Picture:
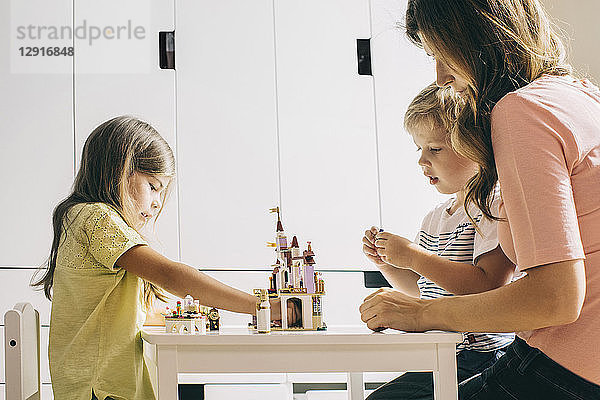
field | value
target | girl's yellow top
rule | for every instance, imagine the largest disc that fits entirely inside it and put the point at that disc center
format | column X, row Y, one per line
column 97, row 310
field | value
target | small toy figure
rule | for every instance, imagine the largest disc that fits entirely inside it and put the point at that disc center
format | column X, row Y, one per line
column 263, row 312
column 189, row 305
column 213, row 319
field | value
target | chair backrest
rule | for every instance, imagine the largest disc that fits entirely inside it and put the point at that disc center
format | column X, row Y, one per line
column 22, row 352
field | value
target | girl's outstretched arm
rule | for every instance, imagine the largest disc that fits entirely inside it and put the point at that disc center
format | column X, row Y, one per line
column 181, row 279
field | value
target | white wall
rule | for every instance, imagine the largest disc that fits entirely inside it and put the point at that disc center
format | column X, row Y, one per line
column 36, row 149
column 579, row 23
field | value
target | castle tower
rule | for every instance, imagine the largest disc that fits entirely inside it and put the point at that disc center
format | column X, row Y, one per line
column 309, row 270
column 296, row 266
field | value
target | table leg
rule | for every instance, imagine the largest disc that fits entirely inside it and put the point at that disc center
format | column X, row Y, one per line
column 166, row 365
column 356, row 386
column 445, row 383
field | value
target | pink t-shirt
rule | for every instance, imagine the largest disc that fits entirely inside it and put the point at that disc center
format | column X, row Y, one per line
column 546, row 139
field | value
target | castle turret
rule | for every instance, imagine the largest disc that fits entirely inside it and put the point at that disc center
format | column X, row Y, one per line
column 280, row 238
column 297, row 258
column 309, row 270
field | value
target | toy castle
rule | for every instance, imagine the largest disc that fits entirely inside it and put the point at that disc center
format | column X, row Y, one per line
column 296, row 283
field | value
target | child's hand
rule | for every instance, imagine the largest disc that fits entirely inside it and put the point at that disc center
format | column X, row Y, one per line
column 394, row 249
column 369, row 247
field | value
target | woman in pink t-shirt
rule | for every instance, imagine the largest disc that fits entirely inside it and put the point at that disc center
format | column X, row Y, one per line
column 534, row 128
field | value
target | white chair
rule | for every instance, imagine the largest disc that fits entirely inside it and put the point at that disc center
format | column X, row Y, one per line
column 22, row 353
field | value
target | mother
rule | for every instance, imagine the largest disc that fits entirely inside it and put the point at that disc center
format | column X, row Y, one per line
column 534, row 128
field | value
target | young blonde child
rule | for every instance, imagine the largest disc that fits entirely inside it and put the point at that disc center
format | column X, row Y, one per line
column 102, row 275
column 451, row 254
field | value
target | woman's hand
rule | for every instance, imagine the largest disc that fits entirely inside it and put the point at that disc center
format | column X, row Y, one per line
column 395, row 250
column 369, row 247
column 388, row 308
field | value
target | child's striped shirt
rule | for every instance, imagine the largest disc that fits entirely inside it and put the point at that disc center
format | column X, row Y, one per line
column 454, row 237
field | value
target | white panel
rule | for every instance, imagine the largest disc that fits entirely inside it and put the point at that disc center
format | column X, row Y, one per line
column 47, row 393
column 326, row 395
column 44, row 366
column 247, row 392
column 327, row 128
column 226, row 131
column 268, row 378
column 341, row 377
column 14, row 286
column 36, row 150
column 375, row 377
column 345, row 292
column 122, row 76
column 401, row 71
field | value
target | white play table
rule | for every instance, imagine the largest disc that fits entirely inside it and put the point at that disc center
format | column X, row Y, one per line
column 353, row 350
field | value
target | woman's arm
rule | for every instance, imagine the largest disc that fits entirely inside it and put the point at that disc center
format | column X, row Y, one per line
column 181, row 279
column 549, row 295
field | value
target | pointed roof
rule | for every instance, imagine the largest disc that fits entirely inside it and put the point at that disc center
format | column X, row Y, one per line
column 309, row 251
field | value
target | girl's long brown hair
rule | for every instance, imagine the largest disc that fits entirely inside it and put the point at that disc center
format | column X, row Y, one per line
column 498, row 46
column 111, row 154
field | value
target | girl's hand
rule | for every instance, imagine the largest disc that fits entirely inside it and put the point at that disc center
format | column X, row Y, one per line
column 395, row 250
column 369, row 247
column 388, row 308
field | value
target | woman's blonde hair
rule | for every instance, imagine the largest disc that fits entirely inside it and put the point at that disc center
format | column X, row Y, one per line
column 111, row 154
column 498, row 46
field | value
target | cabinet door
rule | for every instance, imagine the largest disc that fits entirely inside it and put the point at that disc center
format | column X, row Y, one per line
column 120, row 75
column 401, row 71
column 36, row 150
column 226, row 127
column 329, row 192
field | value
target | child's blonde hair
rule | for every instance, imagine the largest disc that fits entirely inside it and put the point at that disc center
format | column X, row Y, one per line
column 111, row 154
column 433, row 108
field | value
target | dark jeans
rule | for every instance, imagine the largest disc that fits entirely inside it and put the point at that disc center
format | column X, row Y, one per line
column 419, row 385
column 525, row 373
